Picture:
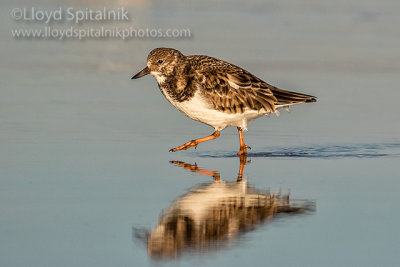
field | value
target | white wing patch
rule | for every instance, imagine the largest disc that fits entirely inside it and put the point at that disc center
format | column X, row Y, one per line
column 234, row 85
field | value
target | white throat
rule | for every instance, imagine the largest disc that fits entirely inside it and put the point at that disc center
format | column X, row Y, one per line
column 159, row 77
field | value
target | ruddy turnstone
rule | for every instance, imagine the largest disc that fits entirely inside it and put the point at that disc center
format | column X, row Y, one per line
column 215, row 92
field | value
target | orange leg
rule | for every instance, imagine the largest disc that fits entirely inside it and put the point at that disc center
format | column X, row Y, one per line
column 195, row 142
column 243, row 147
column 243, row 161
column 196, row 169
column 214, row 174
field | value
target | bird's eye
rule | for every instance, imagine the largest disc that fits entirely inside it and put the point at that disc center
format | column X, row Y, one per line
column 160, row 61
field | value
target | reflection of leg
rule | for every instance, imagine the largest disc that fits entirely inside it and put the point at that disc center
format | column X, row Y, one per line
column 195, row 142
column 194, row 168
column 243, row 161
column 243, row 147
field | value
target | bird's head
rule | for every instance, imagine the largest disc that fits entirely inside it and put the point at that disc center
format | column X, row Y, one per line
column 161, row 63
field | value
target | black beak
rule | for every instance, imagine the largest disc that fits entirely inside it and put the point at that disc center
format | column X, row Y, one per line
column 142, row 73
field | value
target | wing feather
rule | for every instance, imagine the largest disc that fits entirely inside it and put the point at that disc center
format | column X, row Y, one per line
column 232, row 89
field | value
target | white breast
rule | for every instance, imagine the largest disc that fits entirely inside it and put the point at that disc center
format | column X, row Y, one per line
column 200, row 109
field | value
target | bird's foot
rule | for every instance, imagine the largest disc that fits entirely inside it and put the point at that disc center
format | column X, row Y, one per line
column 189, row 144
column 196, row 142
column 243, row 150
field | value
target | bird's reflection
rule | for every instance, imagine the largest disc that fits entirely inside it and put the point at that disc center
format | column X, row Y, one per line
column 212, row 215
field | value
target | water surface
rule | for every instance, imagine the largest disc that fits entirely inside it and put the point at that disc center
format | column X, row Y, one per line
column 85, row 172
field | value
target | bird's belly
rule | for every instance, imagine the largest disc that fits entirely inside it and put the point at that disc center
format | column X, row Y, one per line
column 197, row 108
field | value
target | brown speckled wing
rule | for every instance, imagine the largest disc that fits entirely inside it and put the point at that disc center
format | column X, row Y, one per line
column 232, row 89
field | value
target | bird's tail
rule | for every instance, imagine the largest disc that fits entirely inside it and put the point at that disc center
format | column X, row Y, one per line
column 287, row 98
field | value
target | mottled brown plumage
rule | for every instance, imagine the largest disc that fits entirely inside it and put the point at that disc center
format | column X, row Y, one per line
column 214, row 91
column 233, row 89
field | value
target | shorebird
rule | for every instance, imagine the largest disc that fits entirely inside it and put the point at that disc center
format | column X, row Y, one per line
column 213, row 215
column 215, row 92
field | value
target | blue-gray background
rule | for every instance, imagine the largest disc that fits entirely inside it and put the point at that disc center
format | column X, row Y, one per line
column 84, row 149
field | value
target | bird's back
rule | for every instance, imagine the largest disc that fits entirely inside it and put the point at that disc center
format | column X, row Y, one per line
column 234, row 89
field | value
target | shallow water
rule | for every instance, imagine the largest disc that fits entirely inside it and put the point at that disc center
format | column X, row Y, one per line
column 319, row 151
column 85, row 172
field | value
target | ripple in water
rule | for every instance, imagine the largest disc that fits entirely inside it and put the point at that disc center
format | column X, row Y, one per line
column 318, row 151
